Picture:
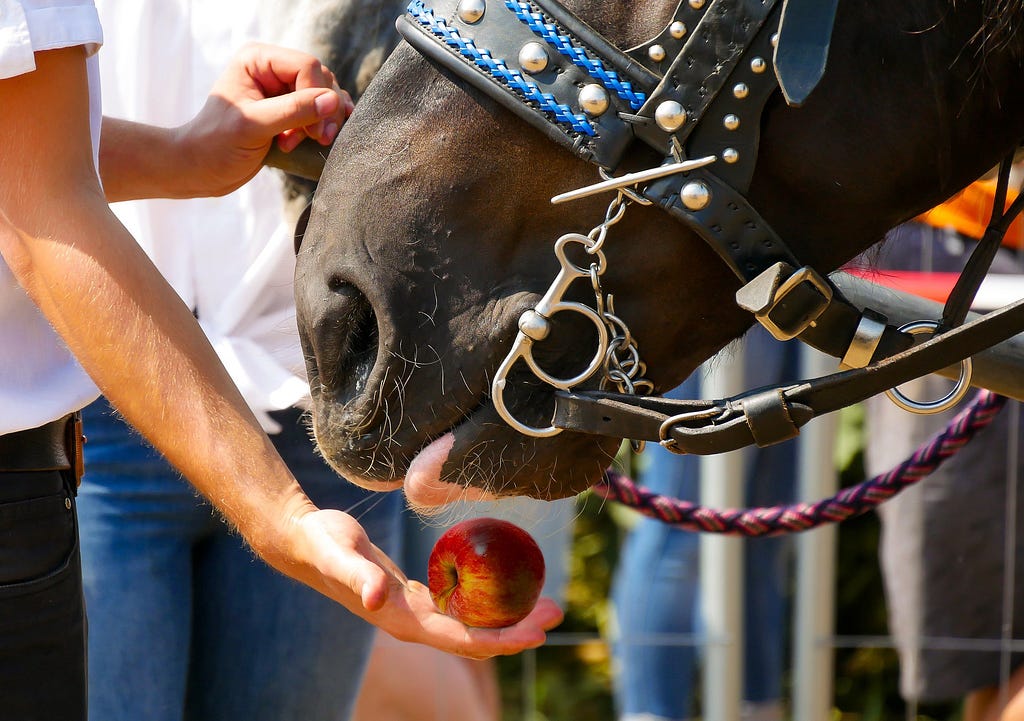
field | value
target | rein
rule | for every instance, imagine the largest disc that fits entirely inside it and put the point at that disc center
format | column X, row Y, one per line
column 694, row 95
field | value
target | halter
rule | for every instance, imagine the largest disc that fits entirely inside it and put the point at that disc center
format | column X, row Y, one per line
column 694, row 95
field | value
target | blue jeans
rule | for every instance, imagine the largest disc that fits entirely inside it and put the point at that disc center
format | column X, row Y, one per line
column 184, row 621
column 656, row 587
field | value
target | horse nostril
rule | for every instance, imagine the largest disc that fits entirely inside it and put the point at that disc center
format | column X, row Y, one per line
column 345, row 339
column 336, row 284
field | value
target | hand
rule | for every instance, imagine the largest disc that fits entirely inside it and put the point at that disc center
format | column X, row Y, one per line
column 347, row 567
column 265, row 92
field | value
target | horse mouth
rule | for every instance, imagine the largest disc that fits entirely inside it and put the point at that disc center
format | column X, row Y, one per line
column 452, row 461
column 381, row 422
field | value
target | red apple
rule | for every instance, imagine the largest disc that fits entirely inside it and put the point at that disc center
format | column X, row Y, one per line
column 486, row 572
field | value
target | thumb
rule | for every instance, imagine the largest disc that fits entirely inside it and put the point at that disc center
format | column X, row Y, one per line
column 372, row 582
column 309, row 108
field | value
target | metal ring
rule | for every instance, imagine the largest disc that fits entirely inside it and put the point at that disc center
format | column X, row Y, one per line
column 949, row 400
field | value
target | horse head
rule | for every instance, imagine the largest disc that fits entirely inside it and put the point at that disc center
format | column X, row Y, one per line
column 431, row 233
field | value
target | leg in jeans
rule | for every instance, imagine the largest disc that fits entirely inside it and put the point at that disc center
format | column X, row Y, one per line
column 139, row 523
column 42, row 622
column 655, row 596
column 770, row 480
column 182, row 608
column 267, row 648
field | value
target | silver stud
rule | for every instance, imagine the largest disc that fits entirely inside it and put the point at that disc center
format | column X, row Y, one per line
column 677, row 30
column 730, row 155
column 696, row 4
column 740, row 90
column 731, row 122
column 593, row 99
column 758, row 65
column 534, row 325
column 775, row 40
column 656, row 53
column 470, row 11
column 695, row 196
column 670, row 116
column 533, row 58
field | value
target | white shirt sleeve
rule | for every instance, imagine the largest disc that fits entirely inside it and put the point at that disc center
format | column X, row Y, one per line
column 28, row 26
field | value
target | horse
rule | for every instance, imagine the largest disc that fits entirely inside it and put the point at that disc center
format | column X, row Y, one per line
column 431, row 234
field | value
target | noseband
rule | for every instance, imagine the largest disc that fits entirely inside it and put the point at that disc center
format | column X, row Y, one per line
column 694, row 95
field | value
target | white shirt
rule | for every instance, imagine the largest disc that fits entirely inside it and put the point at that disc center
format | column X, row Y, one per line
column 231, row 259
column 40, row 381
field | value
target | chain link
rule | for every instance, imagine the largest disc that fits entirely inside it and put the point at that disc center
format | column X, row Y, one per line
column 623, row 369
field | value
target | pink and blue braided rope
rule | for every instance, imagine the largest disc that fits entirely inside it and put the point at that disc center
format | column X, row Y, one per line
column 849, row 502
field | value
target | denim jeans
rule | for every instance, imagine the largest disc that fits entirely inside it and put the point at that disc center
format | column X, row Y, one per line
column 185, row 622
column 656, row 587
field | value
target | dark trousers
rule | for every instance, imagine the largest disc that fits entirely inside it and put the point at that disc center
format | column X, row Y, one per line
column 42, row 613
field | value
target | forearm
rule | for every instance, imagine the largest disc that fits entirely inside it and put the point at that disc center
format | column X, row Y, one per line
column 145, row 351
column 142, row 161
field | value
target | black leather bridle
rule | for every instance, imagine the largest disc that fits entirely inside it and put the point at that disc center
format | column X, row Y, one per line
column 697, row 91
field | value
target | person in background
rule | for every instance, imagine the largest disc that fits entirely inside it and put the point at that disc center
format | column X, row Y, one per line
column 84, row 310
column 947, row 541
column 655, row 593
column 175, row 602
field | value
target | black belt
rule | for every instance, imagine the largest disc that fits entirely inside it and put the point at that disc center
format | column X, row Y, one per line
column 55, row 446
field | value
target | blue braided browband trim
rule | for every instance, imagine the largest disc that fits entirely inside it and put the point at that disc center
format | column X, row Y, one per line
column 564, row 45
column 498, row 69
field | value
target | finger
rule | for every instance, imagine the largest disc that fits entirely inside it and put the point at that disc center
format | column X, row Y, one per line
column 310, row 109
column 528, row 633
column 280, row 70
column 372, row 583
column 290, row 139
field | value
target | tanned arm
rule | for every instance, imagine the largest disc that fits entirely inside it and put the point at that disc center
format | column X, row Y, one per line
column 147, row 354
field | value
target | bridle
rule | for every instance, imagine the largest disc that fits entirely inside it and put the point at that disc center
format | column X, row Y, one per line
column 694, row 95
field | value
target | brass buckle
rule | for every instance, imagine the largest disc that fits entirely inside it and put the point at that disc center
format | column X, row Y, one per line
column 804, row 275
column 74, row 440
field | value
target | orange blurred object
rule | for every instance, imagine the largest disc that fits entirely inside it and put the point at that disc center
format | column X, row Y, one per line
column 968, row 213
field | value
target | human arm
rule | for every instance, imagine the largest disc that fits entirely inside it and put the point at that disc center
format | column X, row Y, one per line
column 146, row 352
column 265, row 91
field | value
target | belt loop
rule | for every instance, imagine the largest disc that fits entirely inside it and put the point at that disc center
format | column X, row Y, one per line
column 74, row 441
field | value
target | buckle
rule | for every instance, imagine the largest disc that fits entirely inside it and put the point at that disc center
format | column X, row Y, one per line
column 74, row 440
column 789, row 307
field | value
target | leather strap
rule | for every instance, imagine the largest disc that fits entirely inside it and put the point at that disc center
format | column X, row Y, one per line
column 55, row 446
column 708, row 57
column 768, row 416
column 805, row 34
column 486, row 55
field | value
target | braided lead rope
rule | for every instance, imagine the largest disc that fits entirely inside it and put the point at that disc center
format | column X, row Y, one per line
column 849, row 502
